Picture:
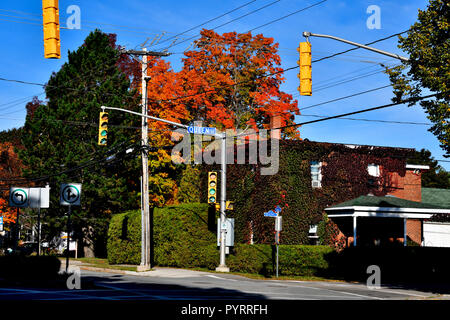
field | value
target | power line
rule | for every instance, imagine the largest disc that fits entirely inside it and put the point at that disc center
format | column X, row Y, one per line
column 238, row 18
column 369, row 120
column 288, row 15
column 206, row 22
column 346, row 97
column 359, row 111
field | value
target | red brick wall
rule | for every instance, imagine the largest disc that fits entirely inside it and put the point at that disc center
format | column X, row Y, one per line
column 407, row 187
column 414, row 230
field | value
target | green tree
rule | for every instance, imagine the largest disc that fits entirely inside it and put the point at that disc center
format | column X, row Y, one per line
column 428, row 45
column 61, row 136
column 190, row 185
column 436, row 176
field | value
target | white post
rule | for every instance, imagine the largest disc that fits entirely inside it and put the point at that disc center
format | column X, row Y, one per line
column 223, row 196
column 354, row 231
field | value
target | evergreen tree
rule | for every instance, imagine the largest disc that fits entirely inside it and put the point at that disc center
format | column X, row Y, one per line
column 62, row 135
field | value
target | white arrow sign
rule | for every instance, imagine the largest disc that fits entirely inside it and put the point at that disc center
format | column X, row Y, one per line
column 70, row 194
column 18, row 197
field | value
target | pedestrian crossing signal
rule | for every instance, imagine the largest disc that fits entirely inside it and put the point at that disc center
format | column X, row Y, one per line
column 103, row 129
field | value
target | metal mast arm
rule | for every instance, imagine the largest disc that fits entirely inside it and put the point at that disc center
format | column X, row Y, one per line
column 307, row 34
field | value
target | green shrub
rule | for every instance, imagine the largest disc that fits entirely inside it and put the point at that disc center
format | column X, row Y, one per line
column 185, row 237
column 124, row 238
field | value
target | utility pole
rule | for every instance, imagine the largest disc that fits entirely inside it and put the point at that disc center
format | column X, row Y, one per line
column 146, row 224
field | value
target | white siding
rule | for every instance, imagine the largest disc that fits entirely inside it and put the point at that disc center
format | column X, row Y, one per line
column 436, row 234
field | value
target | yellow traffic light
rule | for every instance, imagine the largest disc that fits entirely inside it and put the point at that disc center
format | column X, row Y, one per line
column 212, row 187
column 304, row 75
column 52, row 45
column 103, row 129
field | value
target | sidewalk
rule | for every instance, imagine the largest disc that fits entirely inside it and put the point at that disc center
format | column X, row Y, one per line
column 155, row 272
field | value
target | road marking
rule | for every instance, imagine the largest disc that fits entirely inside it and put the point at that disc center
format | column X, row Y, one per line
column 216, row 277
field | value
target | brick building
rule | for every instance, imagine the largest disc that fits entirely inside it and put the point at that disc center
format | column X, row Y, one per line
column 397, row 217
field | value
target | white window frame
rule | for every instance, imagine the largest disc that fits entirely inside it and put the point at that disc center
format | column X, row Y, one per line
column 319, row 176
column 376, row 168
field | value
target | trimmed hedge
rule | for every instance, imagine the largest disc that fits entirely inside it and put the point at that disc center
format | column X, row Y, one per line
column 124, row 238
column 185, row 237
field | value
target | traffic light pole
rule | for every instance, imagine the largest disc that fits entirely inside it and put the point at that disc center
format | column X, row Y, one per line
column 223, row 190
column 223, row 197
column 307, row 34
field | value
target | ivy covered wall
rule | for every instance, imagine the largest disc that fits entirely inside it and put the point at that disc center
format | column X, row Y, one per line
column 344, row 177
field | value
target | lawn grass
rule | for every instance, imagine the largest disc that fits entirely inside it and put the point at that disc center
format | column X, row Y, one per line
column 103, row 263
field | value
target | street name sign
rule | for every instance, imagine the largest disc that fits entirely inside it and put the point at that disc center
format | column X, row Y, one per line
column 70, row 194
column 202, row 130
column 18, row 197
column 270, row 214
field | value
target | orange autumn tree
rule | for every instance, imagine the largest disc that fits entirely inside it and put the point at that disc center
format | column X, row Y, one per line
column 163, row 87
column 233, row 81
column 10, row 170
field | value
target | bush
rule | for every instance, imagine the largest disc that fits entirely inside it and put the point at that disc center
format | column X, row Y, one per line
column 185, row 237
column 124, row 238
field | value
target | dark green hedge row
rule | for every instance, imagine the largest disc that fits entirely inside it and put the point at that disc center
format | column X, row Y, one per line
column 185, row 236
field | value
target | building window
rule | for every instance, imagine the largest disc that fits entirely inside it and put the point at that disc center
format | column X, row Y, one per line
column 373, row 170
column 312, row 235
column 316, row 175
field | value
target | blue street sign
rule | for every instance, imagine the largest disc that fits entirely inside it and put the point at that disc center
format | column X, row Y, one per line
column 202, row 130
column 277, row 209
column 1, row 223
column 270, row 214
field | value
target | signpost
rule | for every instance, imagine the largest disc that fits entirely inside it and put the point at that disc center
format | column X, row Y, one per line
column 278, row 221
column 18, row 197
column 70, row 195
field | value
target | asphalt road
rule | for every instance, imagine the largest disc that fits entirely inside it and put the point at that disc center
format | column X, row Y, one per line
column 177, row 284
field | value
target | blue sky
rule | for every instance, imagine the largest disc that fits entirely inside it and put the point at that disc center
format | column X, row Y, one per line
column 136, row 21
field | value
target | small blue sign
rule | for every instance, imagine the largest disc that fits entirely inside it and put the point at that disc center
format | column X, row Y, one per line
column 1, row 223
column 202, row 130
column 277, row 209
column 270, row 214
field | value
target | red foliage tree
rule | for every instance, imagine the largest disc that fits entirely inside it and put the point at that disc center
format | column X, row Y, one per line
column 233, row 80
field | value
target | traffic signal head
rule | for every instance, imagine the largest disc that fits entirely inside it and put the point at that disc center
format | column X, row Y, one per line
column 212, row 187
column 103, row 129
column 52, row 45
column 304, row 75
